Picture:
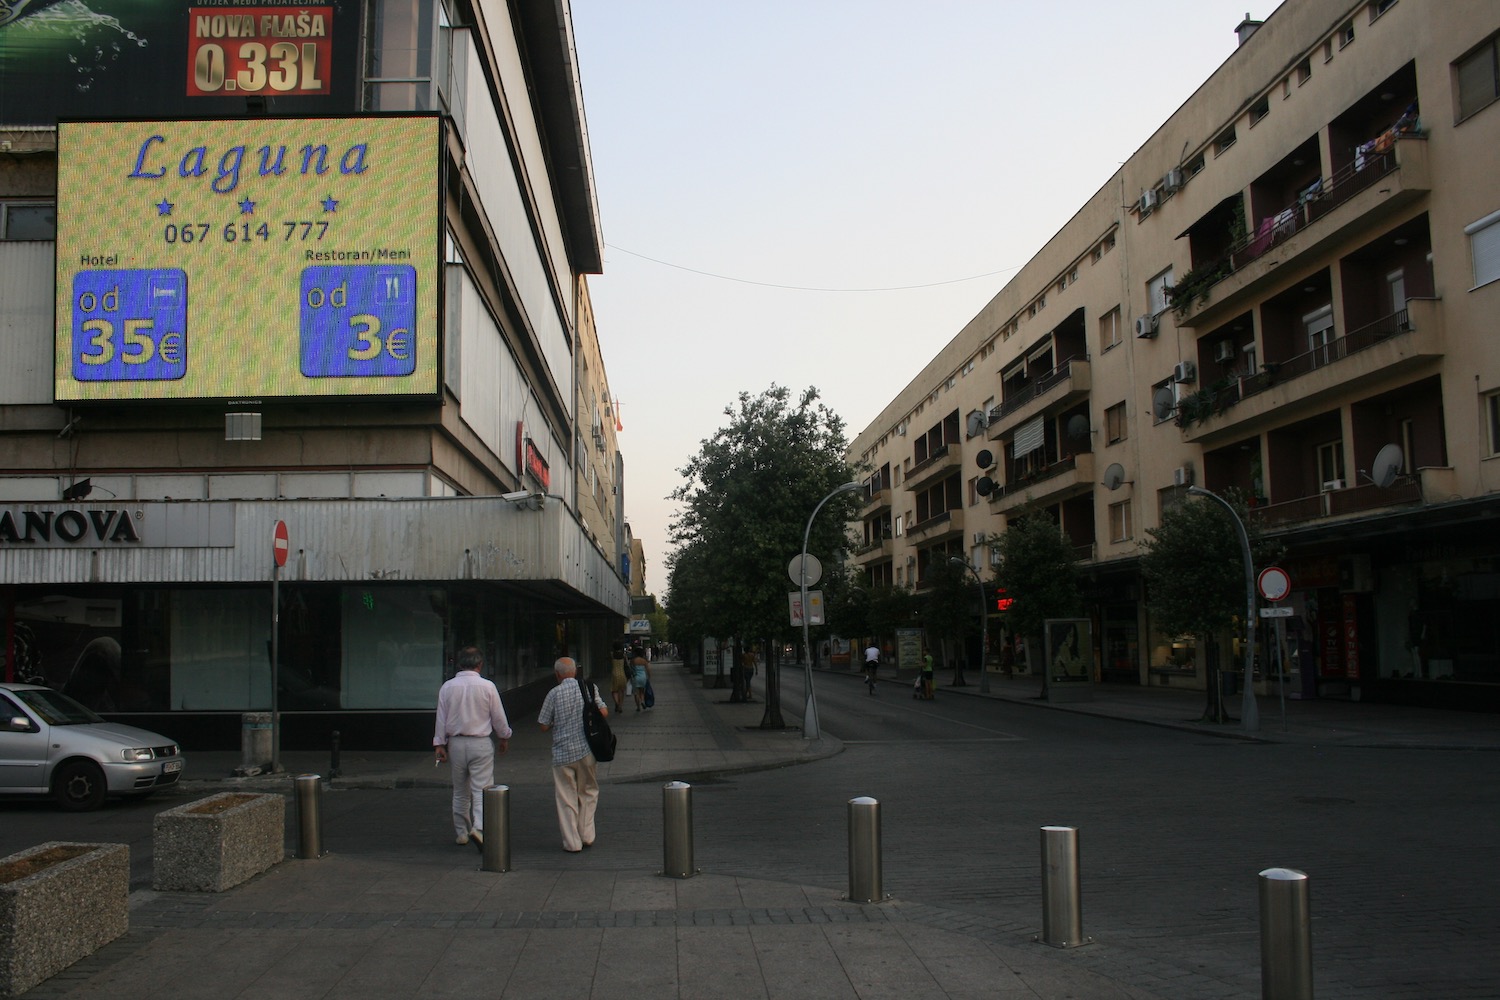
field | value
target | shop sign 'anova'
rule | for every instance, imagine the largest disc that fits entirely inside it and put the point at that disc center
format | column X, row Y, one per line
column 93, row 526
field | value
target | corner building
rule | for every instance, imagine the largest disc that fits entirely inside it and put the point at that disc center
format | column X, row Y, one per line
column 318, row 266
column 1289, row 290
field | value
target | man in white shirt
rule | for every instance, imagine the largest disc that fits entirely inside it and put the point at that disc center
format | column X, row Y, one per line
column 872, row 664
column 468, row 714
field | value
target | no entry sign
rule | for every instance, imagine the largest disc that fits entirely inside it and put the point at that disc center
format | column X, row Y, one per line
column 280, row 544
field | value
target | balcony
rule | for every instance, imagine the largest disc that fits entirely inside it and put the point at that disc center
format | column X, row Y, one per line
column 934, row 467
column 1404, row 492
column 875, row 502
column 1068, row 476
column 874, row 551
column 1359, row 196
column 1062, row 386
column 937, row 527
column 1316, row 379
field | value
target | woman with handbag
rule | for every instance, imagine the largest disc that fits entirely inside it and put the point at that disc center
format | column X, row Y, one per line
column 640, row 670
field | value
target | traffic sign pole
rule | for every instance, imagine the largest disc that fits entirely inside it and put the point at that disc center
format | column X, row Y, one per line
column 280, row 543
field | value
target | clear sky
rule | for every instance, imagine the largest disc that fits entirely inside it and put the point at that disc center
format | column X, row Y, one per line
column 823, row 192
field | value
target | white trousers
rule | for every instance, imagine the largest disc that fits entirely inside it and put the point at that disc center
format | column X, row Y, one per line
column 577, row 786
column 473, row 761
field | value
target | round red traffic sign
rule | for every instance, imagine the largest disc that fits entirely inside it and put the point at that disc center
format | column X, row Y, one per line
column 1274, row 583
column 280, row 544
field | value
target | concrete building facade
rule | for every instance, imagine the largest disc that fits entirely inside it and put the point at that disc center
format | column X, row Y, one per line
column 404, row 187
column 1287, row 291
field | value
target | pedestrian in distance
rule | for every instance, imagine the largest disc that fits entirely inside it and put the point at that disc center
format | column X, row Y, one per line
column 617, row 679
column 470, row 719
column 747, row 671
column 640, row 677
column 575, row 776
column 872, row 664
column 928, row 687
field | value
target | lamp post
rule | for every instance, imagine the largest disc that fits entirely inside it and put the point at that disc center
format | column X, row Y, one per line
column 984, row 625
column 810, row 710
column 1249, row 712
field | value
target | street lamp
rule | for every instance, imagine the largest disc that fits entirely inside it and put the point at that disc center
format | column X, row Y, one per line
column 1249, row 713
column 984, row 625
column 810, row 710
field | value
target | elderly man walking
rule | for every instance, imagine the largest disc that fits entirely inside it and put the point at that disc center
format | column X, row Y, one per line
column 574, row 775
column 468, row 713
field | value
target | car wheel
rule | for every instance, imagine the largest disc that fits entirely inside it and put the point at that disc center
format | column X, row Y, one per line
column 79, row 785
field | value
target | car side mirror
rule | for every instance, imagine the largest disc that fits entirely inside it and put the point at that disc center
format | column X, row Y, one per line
column 19, row 724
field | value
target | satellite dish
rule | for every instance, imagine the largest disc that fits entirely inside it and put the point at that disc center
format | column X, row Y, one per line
column 1163, row 402
column 1114, row 476
column 1387, row 464
column 985, row 486
column 976, row 423
column 985, row 458
column 1078, row 427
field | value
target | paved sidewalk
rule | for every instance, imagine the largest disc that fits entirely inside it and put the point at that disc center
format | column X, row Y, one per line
column 387, row 925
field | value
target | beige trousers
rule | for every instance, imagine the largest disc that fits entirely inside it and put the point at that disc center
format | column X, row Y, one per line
column 577, row 786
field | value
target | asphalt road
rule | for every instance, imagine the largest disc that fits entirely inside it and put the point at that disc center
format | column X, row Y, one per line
column 1399, row 845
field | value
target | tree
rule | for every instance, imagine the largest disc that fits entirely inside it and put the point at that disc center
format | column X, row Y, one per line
column 891, row 608
column 1194, row 570
column 846, row 604
column 948, row 608
column 746, row 497
column 1036, row 572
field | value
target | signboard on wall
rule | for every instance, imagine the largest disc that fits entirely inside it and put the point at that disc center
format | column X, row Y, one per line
column 168, row 58
column 249, row 259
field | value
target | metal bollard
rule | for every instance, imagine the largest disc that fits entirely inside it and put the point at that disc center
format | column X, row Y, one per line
column 496, row 829
column 677, row 830
column 309, row 816
column 1062, row 897
column 1285, row 936
column 864, row 850
column 334, row 770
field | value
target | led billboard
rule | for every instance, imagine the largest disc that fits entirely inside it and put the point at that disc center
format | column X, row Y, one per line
column 247, row 260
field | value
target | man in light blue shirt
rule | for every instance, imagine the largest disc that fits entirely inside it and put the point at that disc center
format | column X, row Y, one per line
column 468, row 713
column 574, row 774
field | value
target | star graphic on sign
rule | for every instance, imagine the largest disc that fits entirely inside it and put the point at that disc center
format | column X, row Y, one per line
column 163, row 207
column 330, row 204
column 247, row 207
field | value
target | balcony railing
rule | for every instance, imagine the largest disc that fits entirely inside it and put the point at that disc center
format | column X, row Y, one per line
column 923, row 527
column 1031, row 479
column 1216, row 399
column 1406, row 490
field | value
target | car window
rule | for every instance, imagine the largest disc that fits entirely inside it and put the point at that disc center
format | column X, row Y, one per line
column 55, row 708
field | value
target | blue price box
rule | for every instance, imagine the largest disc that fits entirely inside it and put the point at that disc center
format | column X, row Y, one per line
column 359, row 320
column 130, row 325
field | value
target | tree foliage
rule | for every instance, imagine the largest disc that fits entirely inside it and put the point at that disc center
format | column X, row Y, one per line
column 1036, row 572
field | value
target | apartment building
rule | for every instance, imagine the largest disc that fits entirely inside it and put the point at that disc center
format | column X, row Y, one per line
column 1287, row 291
column 293, row 301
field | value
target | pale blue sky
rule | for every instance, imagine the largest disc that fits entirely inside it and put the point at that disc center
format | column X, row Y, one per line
column 833, row 144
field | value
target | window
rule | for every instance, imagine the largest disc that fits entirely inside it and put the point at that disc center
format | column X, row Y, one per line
column 1378, row 7
column 1328, row 51
column 1492, row 412
column 1194, row 166
column 1224, row 141
column 900, row 525
column 1114, row 423
column 21, row 220
column 1346, row 34
column 1304, row 71
column 1156, row 292
column 1408, row 447
column 1319, row 324
column 1484, row 247
column 1478, row 78
column 1109, row 330
column 1259, row 110
column 1331, row 465
column 1119, row 522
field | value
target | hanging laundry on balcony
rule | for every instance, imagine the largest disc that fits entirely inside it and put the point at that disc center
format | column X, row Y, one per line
column 1263, row 235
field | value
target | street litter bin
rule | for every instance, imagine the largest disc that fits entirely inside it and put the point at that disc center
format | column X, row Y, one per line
column 255, row 739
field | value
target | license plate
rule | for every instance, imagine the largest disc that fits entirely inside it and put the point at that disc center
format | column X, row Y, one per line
column 171, row 767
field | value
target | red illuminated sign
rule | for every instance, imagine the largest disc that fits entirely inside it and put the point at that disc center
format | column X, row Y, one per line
column 259, row 50
column 1003, row 603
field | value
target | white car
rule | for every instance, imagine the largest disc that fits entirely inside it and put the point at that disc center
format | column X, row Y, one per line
column 50, row 744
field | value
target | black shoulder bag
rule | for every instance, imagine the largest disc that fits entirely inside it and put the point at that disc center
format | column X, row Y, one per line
column 596, row 726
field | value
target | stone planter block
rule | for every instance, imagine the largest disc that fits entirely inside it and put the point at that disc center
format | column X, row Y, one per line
column 216, row 843
column 67, row 910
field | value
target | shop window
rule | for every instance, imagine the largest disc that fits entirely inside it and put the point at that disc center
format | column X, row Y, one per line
column 1120, row 529
column 1114, row 423
column 1478, row 78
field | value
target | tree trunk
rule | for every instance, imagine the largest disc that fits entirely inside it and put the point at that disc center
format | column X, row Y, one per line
column 1213, row 707
column 737, row 673
column 1036, row 656
column 772, row 717
column 958, row 665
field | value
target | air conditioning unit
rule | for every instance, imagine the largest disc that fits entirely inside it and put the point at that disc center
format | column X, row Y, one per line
column 980, row 537
column 1145, row 327
column 1185, row 371
column 1224, row 353
column 1173, row 180
column 1333, row 484
column 1182, row 476
column 1148, row 200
